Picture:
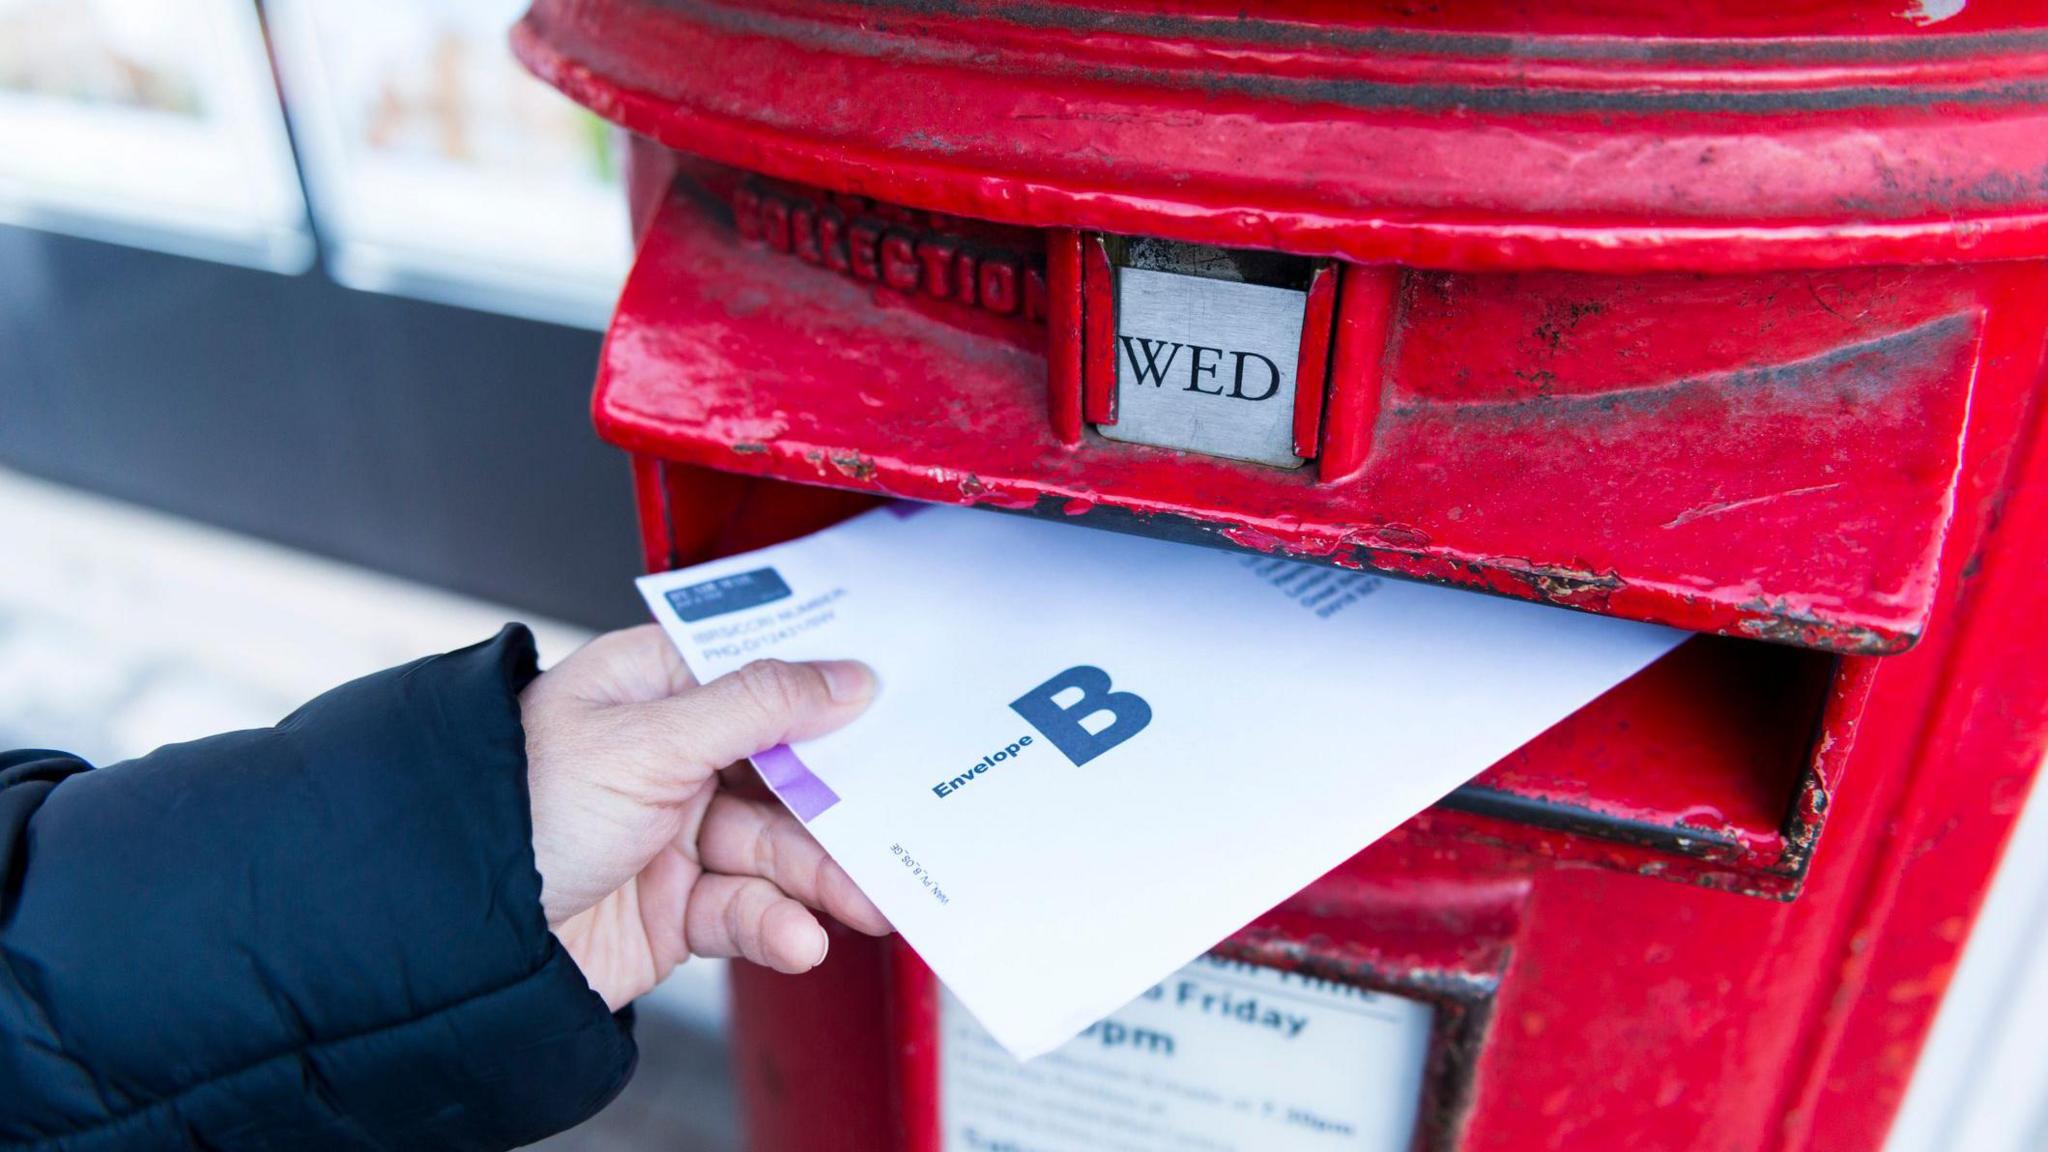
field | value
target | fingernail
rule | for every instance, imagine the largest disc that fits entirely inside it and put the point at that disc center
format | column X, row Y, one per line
column 848, row 681
column 824, row 944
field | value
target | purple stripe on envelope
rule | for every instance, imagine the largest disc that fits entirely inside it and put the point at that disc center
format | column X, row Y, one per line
column 792, row 780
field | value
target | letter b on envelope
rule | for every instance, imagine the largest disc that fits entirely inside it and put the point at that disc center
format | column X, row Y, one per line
column 1066, row 725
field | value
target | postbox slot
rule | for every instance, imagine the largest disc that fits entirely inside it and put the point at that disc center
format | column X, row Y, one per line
column 1711, row 756
column 1780, row 465
column 1799, row 503
column 1713, row 764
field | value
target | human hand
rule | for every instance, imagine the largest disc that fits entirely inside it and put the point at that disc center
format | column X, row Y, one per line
column 644, row 858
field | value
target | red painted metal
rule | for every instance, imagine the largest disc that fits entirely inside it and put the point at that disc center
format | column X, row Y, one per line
column 1063, row 336
column 1731, row 316
column 1098, row 332
column 1497, row 137
column 650, row 170
column 828, row 1097
column 1312, row 370
column 1366, row 302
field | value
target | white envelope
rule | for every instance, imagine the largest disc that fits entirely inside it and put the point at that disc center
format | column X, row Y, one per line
column 1094, row 756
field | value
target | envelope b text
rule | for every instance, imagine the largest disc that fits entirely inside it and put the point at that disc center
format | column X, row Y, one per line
column 1067, row 708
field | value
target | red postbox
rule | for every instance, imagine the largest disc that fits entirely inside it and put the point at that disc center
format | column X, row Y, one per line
column 1724, row 316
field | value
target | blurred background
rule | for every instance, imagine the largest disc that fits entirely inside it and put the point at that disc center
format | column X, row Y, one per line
column 299, row 312
column 300, row 305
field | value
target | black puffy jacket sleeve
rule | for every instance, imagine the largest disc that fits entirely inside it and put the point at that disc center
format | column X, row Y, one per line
column 326, row 934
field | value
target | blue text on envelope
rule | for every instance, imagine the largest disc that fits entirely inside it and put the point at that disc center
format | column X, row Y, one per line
column 728, row 594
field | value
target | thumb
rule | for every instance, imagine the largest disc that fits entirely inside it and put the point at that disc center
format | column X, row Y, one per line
column 766, row 703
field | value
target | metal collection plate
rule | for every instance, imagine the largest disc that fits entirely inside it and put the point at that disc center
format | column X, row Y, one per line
column 1207, row 365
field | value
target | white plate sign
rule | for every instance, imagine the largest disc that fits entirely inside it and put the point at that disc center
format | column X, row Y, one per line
column 1207, row 365
column 1219, row 1057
